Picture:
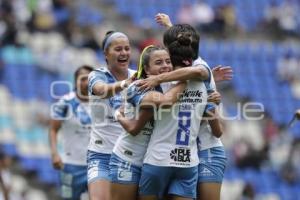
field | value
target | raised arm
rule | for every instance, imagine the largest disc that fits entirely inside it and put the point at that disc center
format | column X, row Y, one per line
column 163, row 19
column 182, row 74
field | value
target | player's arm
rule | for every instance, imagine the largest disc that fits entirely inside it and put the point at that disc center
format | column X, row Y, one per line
column 154, row 99
column 163, row 19
column 99, row 86
column 5, row 190
column 55, row 125
column 105, row 90
column 151, row 100
column 216, row 125
column 212, row 115
column 214, row 98
column 182, row 74
column 136, row 124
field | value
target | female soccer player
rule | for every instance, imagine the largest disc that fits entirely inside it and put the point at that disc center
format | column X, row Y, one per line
column 210, row 148
column 105, row 85
column 128, row 153
column 71, row 118
column 171, row 161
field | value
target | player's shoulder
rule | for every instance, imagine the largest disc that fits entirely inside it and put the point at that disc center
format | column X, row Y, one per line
column 200, row 61
column 101, row 69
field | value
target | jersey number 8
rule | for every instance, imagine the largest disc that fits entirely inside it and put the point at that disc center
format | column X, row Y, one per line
column 183, row 132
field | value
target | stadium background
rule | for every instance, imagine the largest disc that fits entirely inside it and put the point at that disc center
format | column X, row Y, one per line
column 43, row 41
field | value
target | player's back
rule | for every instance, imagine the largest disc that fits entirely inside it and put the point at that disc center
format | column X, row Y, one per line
column 173, row 141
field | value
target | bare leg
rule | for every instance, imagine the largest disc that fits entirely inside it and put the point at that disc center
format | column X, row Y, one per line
column 123, row 191
column 148, row 198
column 209, row 191
column 99, row 190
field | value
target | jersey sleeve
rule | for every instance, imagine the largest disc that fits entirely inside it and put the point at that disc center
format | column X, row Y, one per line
column 95, row 77
column 209, row 83
column 134, row 96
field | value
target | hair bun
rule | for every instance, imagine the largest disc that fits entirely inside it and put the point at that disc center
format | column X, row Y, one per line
column 184, row 39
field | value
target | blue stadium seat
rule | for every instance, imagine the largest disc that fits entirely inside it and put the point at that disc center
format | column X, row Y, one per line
column 9, row 149
column 61, row 15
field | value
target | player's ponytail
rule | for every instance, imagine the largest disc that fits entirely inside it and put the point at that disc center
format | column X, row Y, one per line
column 142, row 62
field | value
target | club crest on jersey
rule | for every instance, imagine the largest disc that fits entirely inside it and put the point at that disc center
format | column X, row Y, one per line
column 181, row 155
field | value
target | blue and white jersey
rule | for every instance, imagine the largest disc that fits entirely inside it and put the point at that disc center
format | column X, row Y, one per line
column 75, row 130
column 206, row 139
column 173, row 141
column 211, row 85
column 105, row 129
column 133, row 148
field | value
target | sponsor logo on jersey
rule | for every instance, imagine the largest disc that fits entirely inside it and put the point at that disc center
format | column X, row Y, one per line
column 181, row 155
column 98, row 142
column 127, row 152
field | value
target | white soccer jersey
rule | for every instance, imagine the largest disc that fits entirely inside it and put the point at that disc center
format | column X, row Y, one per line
column 173, row 141
column 133, row 148
column 200, row 61
column 105, row 129
column 75, row 130
column 206, row 139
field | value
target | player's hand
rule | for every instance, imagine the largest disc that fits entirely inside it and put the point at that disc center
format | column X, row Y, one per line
column 148, row 83
column 56, row 161
column 222, row 73
column 129, row 80
column 214, row 97
column 163, row 19
column 297, row 114
column 122, row 110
